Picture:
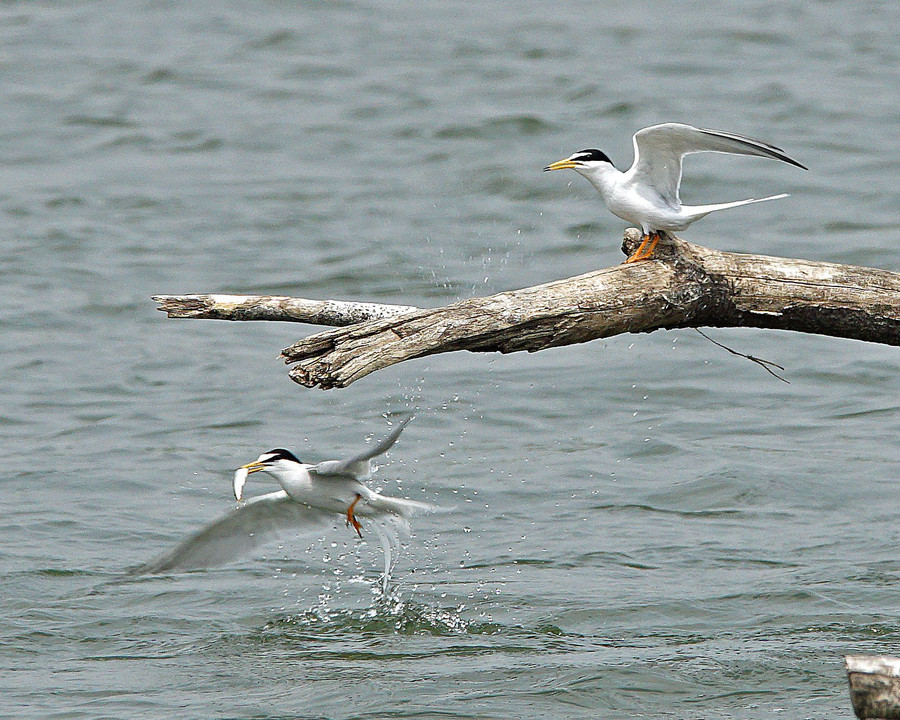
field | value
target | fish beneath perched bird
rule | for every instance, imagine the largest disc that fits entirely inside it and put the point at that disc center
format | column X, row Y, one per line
column 647, row 194
column 310, row 494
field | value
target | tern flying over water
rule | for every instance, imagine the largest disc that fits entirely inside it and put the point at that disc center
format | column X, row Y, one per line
column 310, row 494
column 647, row 193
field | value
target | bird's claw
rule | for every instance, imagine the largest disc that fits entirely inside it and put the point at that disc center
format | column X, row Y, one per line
column 643, row 252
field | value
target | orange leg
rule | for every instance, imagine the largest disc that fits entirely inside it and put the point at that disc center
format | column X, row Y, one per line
column 643, row 252
column 634, row 256
column 649, row 251
column 351, row 518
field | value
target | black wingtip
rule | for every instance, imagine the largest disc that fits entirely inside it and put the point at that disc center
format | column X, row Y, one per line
column 773, row 151
column 791, row 161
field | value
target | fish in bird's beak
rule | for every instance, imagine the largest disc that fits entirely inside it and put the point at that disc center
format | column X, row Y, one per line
column 240, row 477
column 564, row 164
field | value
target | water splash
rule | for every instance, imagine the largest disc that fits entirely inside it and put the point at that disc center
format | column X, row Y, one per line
column 389, row 541
column 388, row 614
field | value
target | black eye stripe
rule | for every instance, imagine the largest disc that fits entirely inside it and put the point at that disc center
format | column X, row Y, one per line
column 280, row 454
column 591, row 155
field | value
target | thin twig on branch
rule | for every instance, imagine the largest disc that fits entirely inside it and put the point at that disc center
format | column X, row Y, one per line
column 685, row 285
column 766, row 365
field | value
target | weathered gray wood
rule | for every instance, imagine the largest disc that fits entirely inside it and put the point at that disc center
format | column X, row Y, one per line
column 337, row 313
column 874, row 686
column 685, row 285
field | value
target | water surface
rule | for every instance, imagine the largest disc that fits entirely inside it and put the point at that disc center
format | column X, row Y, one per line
column 641, row 526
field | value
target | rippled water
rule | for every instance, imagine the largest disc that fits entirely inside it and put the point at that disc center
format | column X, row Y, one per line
column 643, row 526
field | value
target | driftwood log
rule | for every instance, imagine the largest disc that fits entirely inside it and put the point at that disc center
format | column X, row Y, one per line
column 874, row 686
column 685, row 285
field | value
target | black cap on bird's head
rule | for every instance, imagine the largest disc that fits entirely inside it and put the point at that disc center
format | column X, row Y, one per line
column 591, row 155
column 580, row 159
column 277, row 454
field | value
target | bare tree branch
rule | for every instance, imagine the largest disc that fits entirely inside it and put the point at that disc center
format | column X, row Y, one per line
column 685, row 285
column 336, row 313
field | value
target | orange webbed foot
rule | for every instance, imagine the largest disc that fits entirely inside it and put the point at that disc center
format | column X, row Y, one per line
column 644, row 252
column 351, row 518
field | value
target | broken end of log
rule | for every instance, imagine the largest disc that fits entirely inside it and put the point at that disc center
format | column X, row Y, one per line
column 323, row 379
column 184, row 306
column 874, row 686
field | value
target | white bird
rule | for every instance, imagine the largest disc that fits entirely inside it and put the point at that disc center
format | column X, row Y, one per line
column 647, row 193
column 310, row 494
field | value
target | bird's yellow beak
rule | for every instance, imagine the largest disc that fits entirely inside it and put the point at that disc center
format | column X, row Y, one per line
column 564, row 164
column 253, row 467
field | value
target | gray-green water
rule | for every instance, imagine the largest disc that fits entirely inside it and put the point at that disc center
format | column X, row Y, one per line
column 644, row 526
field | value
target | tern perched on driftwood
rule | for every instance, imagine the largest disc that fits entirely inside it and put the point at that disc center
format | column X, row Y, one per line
column 647, row 194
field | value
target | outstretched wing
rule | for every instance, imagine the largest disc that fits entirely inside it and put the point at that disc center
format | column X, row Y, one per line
column 259, row 521
column 358, row 466
column 658, row 151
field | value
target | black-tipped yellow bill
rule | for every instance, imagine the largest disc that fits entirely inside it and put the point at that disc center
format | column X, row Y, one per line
column 564, row 164
column 253, row 467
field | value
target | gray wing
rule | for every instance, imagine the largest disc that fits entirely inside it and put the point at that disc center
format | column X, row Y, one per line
column 358, row 466
column 658, row 151
column 259, row 521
